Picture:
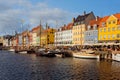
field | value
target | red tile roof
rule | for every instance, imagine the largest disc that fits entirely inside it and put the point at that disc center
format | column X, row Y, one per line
column 35, row 28
column 103, row 20
column 117, row 15
column 67, row 27
column 92, row 22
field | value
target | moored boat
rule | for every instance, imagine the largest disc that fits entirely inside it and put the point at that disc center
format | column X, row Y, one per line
column 22, row 52
column 12, row 50
column 116, row 56
column 85, row 56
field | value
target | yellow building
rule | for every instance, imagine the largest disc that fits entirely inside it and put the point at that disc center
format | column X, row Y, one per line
column 109, row 30
column 47, row 37
column 79, row 27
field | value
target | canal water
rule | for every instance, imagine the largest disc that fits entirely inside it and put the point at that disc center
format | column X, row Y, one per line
column 29, row 67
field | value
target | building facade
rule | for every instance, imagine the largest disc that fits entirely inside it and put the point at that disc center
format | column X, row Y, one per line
column 63, row 37
column 91, row 33
column 79, row 27
column 35, row 35
column 47, row 37
column 111, row 31
column 58, row 37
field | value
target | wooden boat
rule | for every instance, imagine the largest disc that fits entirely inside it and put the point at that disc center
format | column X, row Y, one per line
column 85, row 56
column 12, row 50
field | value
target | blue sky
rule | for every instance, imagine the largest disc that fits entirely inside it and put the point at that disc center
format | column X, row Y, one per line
column 49, row 11
column 100, row 8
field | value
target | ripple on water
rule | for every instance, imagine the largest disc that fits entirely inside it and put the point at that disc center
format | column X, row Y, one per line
column 29, row 67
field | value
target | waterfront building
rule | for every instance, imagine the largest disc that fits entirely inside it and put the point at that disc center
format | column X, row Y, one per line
column 19, row 40
column 91, row 33
column 13, row 41
column 47, row 37
column 79, row 27
column 109, row 31
column 35, row 35
column 25, row 39
column 7, row 40
column 101, row 30
column 58, row 37
column 34, row 38
column 63, row 36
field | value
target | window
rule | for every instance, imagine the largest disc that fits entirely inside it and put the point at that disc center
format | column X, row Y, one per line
column 95, row 27
column 88, row 27
column 104, row 36
column 108, row 29
column 113, row 29
column 114, row 22
column 104, row 29
column 108, row 36
column 103, row 24
column 109, row 22
column 118, row 28
column 118, row 35
column 113, row 36
column 100, row 30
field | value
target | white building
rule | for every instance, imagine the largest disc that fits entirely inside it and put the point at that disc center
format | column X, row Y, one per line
column 34, row 38
column 63, row 36
column 58, row 37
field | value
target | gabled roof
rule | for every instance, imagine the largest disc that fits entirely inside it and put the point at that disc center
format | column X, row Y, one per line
column 117, row 15
column 68, row 27
column 36, row 28
column 95, row 21
column 82, row 17
column 103, row 20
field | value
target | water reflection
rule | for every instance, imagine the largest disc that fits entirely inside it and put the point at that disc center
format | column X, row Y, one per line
column 29, row 67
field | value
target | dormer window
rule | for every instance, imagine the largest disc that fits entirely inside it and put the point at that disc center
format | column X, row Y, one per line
column 103, row 24
column 118, row 28
column 95, row 27
column 88, row 27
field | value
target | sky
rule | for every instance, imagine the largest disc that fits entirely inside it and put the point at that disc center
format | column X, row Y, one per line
column 19, row 15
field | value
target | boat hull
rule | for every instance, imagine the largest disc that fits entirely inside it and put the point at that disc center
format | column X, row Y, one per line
column 86, row 56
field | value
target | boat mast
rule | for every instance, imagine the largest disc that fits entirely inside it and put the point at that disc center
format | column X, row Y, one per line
column 40, row 32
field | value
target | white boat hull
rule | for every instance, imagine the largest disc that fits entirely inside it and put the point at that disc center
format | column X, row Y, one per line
column 85, row 56
column 23, row 52
column 116, row 57
column 12, row 50
column 58, row 55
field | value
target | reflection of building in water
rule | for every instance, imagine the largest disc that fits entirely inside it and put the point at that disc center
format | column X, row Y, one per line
column 104, row 68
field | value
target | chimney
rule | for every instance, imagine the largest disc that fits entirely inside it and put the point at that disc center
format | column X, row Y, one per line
column 97, row 18
column 84, row 12
column 73, row 20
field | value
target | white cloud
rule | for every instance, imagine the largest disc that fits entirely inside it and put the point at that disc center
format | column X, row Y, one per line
column 11, row 13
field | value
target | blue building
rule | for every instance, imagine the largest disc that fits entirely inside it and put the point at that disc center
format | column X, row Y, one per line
column 91, row 33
